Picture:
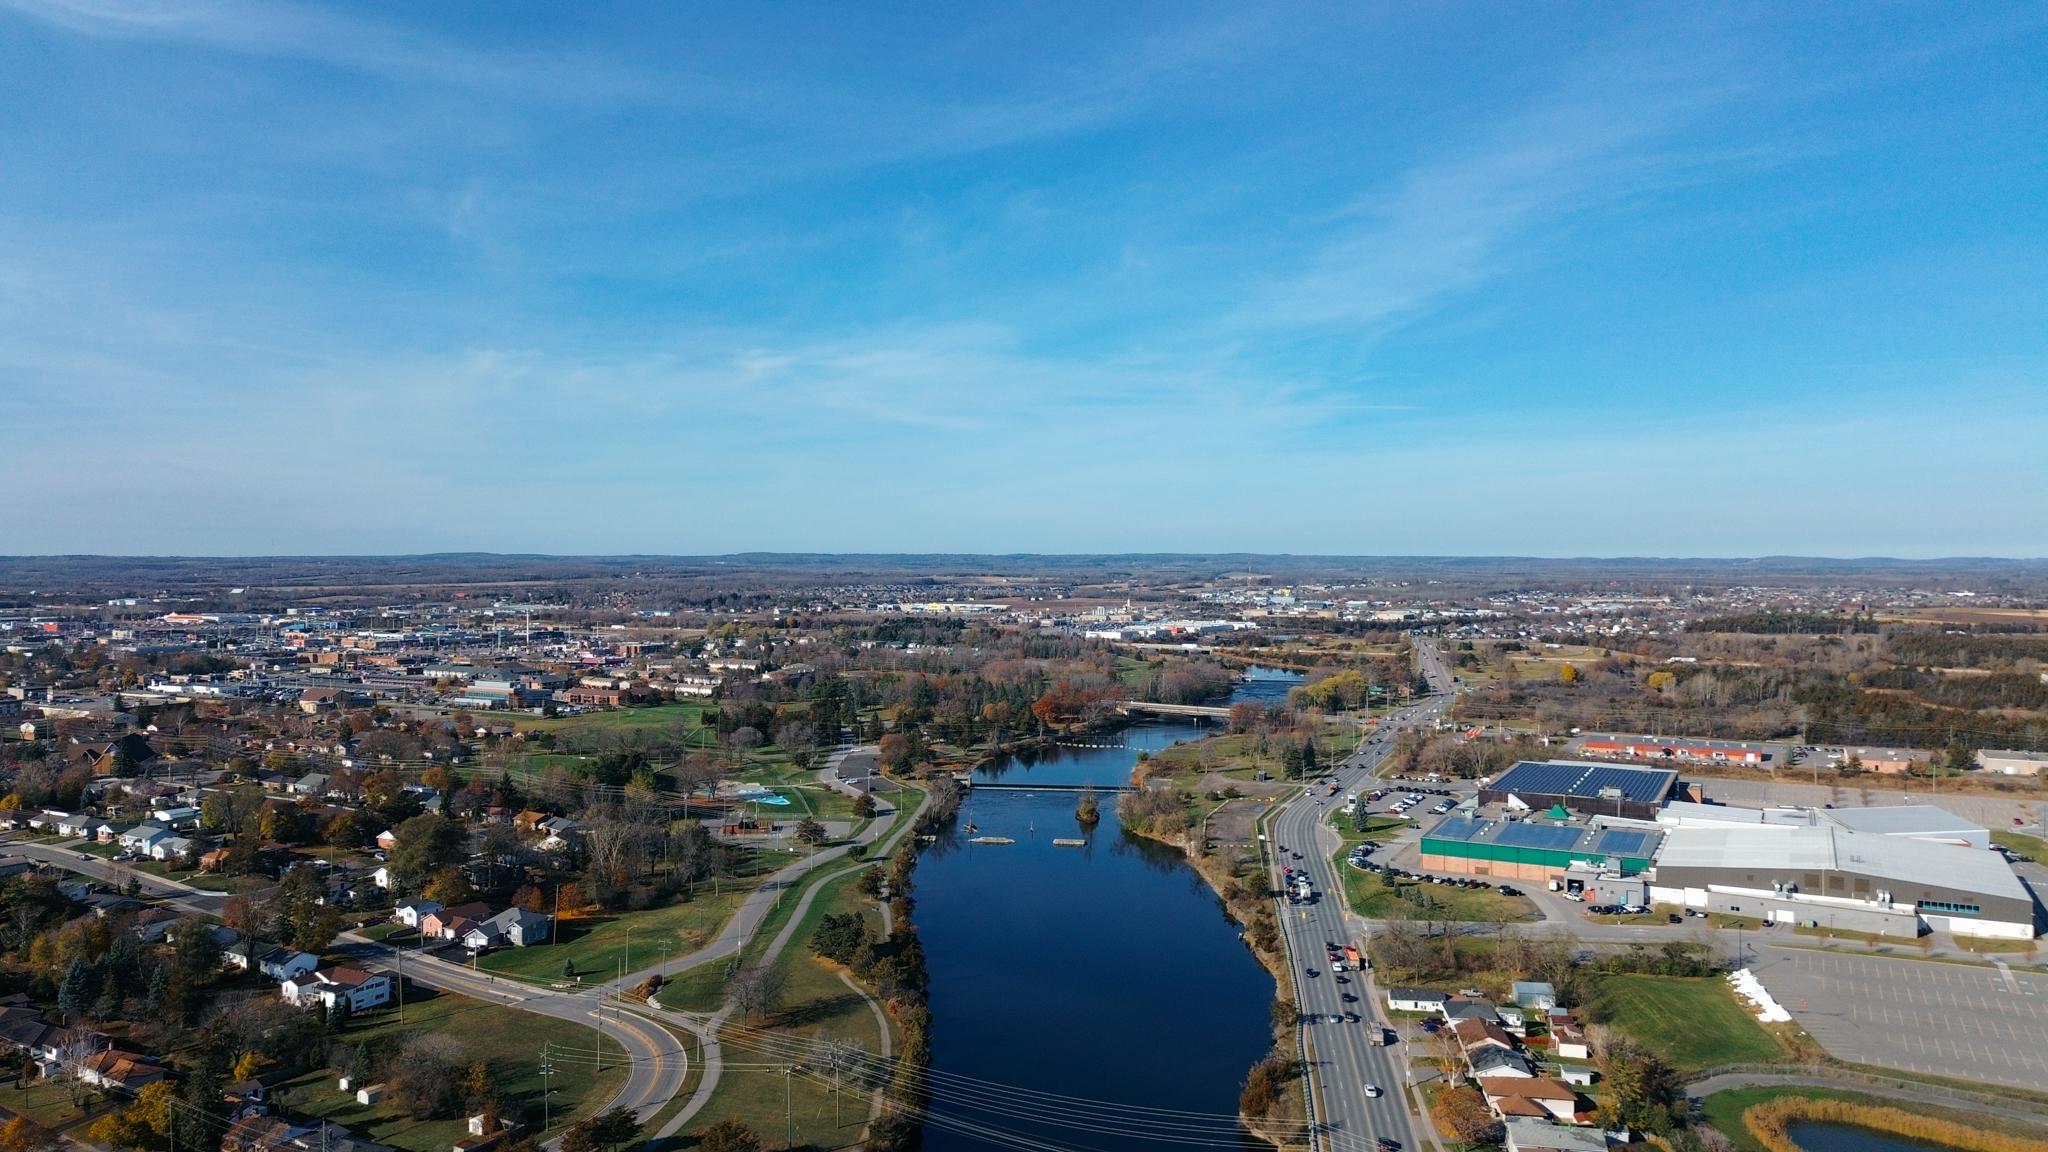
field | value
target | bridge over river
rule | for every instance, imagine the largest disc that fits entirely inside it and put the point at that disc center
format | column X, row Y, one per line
column 983, row 786
column 1129, row 706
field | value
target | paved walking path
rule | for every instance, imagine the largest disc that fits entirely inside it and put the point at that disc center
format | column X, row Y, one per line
column 707, row 1026
column 1705, row 1088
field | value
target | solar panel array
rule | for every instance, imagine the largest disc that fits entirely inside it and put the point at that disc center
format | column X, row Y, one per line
column 1458, row 828
column 1527, row 835
column 1646, row 785
column 1620, row 843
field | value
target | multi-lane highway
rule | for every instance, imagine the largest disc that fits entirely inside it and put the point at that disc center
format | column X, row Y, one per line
column 1343, row 1060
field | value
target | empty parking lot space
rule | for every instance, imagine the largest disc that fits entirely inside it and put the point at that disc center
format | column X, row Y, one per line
column 1956, row 1020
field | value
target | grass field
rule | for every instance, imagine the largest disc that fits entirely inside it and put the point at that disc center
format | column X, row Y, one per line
column 817, row 1005
column 1369, row 897
column 2023, row 844
column 598, row 944
column 1688, row 1023
column 509, row 1038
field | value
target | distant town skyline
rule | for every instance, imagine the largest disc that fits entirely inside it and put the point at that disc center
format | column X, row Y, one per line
column 312, row 279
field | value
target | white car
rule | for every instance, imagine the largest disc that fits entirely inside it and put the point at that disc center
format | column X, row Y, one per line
column 1372, row 1091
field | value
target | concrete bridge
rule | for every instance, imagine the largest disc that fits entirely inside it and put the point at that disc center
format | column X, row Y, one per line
column 1129, row 706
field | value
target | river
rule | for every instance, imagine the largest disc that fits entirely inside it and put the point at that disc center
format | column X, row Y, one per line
column 1101, row 973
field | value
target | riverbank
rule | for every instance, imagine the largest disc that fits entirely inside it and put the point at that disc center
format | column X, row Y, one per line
column 1273, row 1105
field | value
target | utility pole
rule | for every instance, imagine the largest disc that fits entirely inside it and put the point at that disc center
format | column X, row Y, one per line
column 546, row 1113
column 788, row 1112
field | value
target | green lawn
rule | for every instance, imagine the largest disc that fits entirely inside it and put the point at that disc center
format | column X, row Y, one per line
column 817, row 1004
column 2023, row 844
column 1689, row 1023
column 1370, row 898
column 599, row 944
column 659, row 716
column 509, row 1038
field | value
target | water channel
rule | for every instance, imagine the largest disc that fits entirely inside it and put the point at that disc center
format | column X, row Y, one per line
column 1104, row 972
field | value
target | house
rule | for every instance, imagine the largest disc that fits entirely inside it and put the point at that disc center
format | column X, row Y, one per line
column 140, row 837
column 283, row 964
column 478, row 937
column 213, row 861
column 107, row 833
column 1489, row 1061
column 316, row 700
column 1415, row 1000
column 76, row 826
column 50, row 819
column 1458, row 1008
column 383, row 878
column 1511, row 1096
column 276, row 782
column 256, row 1131
column 170, row 848
column 521, row 927
column 1475, row 1033
column 409, row 911
column 387, row 840
column 362, row 989
column 558, row 830
column 152, row 923
column 181, row 816
column 1580, row 1074
column 441, row 923
column 121, row 1071
column 1530, row 1135
column 1570, row 1039
column 311, row 784
column 528, row 820
column 1534, row 994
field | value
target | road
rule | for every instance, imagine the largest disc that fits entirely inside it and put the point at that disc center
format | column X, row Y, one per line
column 1342, row 1058
column 65, row 854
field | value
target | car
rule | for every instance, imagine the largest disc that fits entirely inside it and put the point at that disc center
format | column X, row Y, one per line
column 1348, row 998
column 1372, row 1092
column 1334, row 1018
column 1351, row 1017
column 1507, row 891
column 1389, row 1144
column 1343, row 979
column 1312, row 973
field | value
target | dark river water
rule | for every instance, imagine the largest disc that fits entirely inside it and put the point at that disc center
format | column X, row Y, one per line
column 1849, row 1138
column 1106, row 972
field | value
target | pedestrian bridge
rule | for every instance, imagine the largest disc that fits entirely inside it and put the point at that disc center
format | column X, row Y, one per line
column 982, row 787
column 1129, row 706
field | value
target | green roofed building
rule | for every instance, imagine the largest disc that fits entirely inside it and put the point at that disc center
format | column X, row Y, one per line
column 1533, row 850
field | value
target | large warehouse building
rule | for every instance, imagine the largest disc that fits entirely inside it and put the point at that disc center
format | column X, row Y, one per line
column 1535, row 850
column 1585, row 788
column 1830, row 876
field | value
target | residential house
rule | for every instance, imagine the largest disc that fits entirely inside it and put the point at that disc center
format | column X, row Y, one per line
column 50, row 819
column 1534, row 994
column 362, row 989
column 522, row 928
column 81, row 825
column 1512, row 1096
column 383, row 878
column 311, row 784
column 558, row 831
column 1569, row 1039
column 1473, row 1034
column 276, row 782
column 121, row 1071
column 142, row 836
column 270, row 960
column 478, row 937
column 1458, row 1008
column 108, row 833
column 1489, row 1061
column 440, row 924
column 1415, row 1000
column 152, row 923
column 387, row 840
column 170, row 848
column 1530, row 1135
column 179, row 816
column 213, row 861
column 256, row 1131
column 529, row 820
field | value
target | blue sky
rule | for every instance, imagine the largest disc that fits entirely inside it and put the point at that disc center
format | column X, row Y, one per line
column 1554, row 280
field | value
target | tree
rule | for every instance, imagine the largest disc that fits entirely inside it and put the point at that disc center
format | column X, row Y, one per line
column 22, row 1134
column 864, row 807
column 422, row 844
column 727, row 1135
column 1462, row 1112
column 809, row 831
column 449, row 886
column 602, row 1132
column 424, row 1075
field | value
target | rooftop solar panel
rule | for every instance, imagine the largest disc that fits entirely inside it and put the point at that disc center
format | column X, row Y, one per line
column 1539, row 836
column 1647, row 785
column 1624, row 843
column 1458, row 828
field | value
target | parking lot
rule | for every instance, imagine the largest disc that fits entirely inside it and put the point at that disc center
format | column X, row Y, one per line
column 1968, row 1022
